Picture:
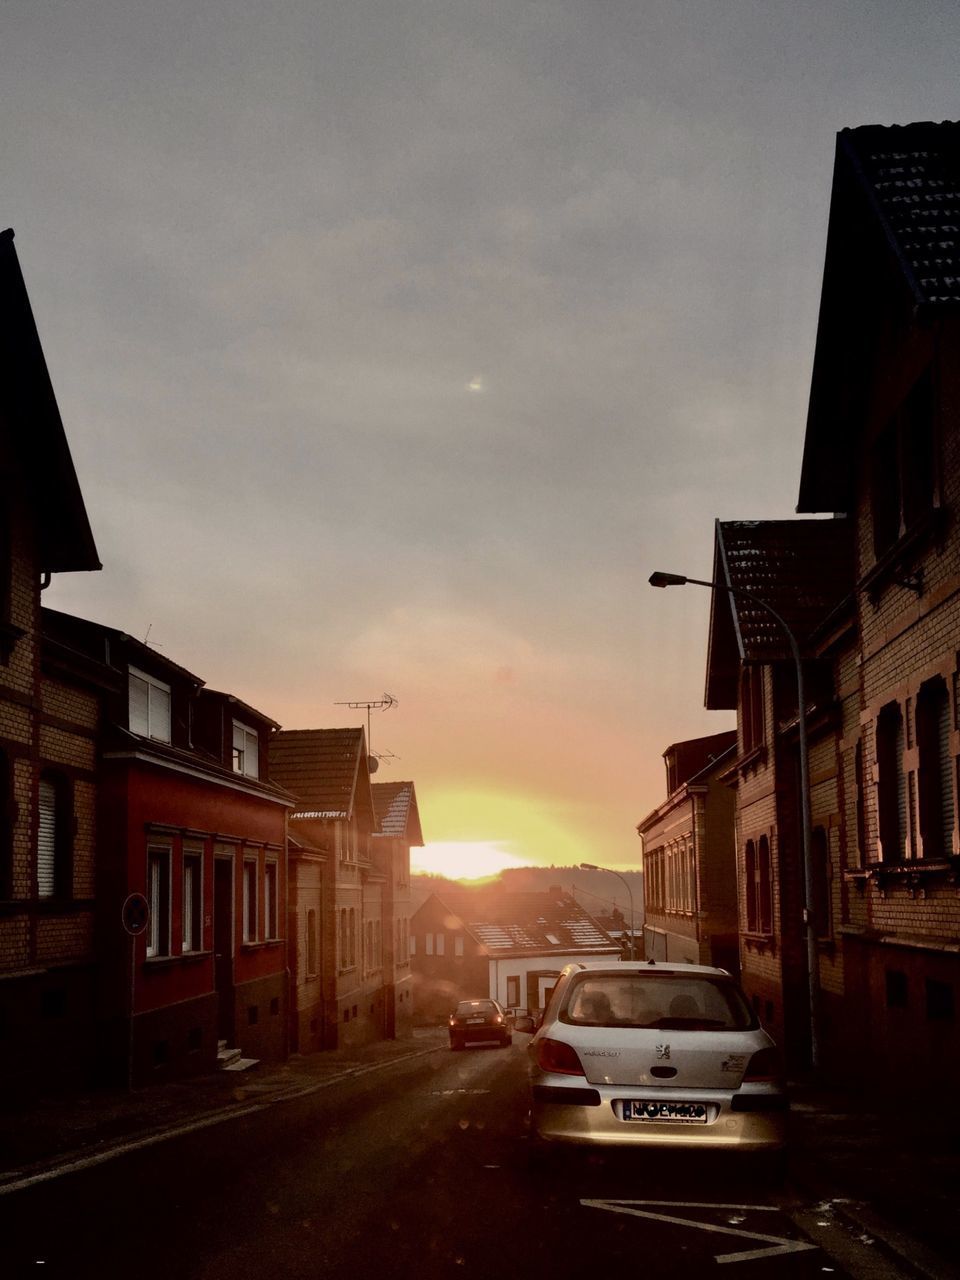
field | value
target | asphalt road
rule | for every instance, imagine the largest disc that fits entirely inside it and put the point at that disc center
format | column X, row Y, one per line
column 419, row 1170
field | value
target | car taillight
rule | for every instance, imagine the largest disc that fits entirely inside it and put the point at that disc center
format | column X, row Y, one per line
column 558, row 1057
column 498, row 1019
column 764, row 1065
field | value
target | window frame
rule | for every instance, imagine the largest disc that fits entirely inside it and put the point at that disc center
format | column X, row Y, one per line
column 250, row 905
column 159, row 896
column 271, row 900
column 242, row 755
column 153, row 686
column 191, row 905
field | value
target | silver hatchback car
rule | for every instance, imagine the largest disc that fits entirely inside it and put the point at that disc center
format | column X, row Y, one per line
column 654, row 1055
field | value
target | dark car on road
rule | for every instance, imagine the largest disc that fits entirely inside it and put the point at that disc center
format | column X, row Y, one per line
column 475, row 1020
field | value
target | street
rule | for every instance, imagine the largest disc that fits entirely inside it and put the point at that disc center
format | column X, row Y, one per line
column 422, row 1169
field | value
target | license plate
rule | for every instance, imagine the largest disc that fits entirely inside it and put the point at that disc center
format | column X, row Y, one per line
column 650, row 1112
column 473, row 1021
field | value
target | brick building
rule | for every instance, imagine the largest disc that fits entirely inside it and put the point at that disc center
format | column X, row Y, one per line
column 340, row 892
column 883, row 443
column 690, row 900
column 398, row 822
column 48, row 725
column 873, row 597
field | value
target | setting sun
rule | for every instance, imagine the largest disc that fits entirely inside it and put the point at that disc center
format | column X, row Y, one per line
column 465, row 859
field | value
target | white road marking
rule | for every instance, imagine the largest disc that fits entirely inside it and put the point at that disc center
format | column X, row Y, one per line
column 781, row 1244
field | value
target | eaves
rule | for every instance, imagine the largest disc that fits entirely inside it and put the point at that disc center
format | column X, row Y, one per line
column 230, row 783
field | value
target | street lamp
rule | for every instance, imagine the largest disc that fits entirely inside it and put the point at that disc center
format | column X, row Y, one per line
column 813, row 968
column 592, row 866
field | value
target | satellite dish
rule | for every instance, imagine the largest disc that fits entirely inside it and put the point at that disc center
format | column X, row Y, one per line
column 373, row 764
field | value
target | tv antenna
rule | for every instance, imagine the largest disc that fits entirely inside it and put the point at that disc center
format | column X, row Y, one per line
column 368, row 705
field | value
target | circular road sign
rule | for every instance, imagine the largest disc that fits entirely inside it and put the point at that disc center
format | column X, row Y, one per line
column 136, row 914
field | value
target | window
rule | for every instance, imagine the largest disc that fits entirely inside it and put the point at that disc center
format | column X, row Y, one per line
column 513, row 992
column 250, row 900
column 368, row 949
column 353, row 936
column 54, row 837
column 149, row 706
column 458, row 945
column 412, row 945
column 935, row 780
column 158, row 899
column 897, row 989
column 751, row 708
column 312, row 943
column 441, row 943
column 939, row 999
column 270, row 904
column 758, row 891
column 858, row 781
column 820, row 906
column 344, row 940
column 903, row 470
column 7, row 819
column 246, row 750
column 891, row 785
column 192, row 933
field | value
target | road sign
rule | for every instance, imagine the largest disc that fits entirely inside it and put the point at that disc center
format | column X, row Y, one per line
column 136, row 914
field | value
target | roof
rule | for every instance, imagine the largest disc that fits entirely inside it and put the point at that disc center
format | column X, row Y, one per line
column 326, row 769
column 532, row 924
column 893, row 240
column 29, row 408
column 397, row 813
column 99, row 641
column 240, row 707
column 803, row 569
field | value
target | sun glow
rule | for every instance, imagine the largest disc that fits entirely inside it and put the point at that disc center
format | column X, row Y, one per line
column 481, row 832
column 465, row 859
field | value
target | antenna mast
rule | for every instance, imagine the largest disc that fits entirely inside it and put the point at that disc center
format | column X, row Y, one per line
column 368, row 705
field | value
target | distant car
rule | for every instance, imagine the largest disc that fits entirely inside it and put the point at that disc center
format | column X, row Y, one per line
column 475, row 1020
column 657, row 1055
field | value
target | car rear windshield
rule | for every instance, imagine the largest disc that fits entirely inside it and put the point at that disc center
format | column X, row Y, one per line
column 476, row 1006
column 694, row 1002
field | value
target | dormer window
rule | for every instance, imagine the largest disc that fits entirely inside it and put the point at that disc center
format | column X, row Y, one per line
column 149, row 707
column 246, row 750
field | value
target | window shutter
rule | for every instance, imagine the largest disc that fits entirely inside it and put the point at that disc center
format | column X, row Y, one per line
column 139, row 706
column 47, row 840
column 159, row 714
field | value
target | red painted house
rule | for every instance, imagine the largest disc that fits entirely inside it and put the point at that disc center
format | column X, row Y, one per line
column 188, row 819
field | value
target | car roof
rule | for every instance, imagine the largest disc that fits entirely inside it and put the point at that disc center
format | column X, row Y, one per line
column 651, row 967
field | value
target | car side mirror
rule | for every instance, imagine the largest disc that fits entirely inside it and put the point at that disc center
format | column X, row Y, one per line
column 525, row 1024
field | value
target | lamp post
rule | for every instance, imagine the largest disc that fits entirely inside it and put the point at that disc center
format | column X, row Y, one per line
column 813, row 967
column 592, row 866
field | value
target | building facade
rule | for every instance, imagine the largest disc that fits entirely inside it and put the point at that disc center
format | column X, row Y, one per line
column 689, row 856
column 49, row 714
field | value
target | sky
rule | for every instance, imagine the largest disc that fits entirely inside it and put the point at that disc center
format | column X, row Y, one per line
column 398, row 341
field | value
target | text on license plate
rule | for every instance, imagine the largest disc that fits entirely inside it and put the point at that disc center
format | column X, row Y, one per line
column 473, row 1020
column 665, row 1112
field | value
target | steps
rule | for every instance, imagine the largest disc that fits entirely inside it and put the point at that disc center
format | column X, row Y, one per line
column 232, row 1059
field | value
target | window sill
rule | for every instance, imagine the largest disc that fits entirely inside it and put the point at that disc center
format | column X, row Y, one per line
column 260, row 944
column 760, row 942
column 915, row 874
column 751, row 760
column 184, row 957
column 898, row 559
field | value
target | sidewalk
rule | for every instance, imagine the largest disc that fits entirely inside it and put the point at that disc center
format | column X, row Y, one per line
column 889, row 1173
column 52, row 1133
column 890, row 1168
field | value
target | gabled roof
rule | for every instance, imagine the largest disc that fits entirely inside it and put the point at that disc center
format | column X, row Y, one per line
column 326, row 769
column 397, row 813
column 531, row 924
column 28, row 409
column 240, row 708
column 802, row 568
column 893, row 241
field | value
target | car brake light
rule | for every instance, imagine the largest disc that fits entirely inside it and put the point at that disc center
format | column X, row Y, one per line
column 498, row 1019
column 764, row 1065
column 559, row 1058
